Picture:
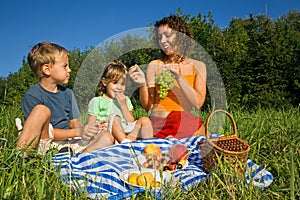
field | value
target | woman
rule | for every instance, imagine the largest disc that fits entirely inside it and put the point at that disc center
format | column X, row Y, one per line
column 171, row 116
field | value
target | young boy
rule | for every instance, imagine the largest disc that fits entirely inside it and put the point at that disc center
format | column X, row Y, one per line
column 50, row 110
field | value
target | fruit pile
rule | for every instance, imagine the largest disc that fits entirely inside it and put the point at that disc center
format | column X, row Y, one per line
column 175, row 159
column 165, row 80
column 178, row 154
column 145, row 179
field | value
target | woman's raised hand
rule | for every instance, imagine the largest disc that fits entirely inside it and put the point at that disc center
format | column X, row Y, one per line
column 137, row 75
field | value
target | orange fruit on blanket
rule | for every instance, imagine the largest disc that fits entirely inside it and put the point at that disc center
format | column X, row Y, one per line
column 155, row 184
column 149, row 176
column 152, row 150
column 133, row 178
column 145, row 179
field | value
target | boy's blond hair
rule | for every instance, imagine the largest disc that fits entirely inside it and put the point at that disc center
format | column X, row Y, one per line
column 43, row 53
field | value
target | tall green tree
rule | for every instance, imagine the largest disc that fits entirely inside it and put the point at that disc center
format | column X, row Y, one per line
column 3, row 87
column 257, row 58
column 289, row 27
column 18, row 83
column 231, row 52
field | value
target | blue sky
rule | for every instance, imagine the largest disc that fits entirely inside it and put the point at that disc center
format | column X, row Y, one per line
column 85, row 23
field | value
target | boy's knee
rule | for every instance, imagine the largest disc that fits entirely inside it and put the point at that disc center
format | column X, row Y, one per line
column 42, row 109
column 40, row 112
column 39, row 118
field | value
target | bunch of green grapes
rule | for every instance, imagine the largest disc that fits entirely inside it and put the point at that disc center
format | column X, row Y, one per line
column 165, row 80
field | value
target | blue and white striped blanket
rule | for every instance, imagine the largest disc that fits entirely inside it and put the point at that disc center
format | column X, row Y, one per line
column 97, row 173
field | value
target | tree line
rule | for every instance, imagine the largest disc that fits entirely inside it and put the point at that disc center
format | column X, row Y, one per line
column 257, row 57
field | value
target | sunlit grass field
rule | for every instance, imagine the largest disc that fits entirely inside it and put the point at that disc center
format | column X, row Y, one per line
column 274, row 137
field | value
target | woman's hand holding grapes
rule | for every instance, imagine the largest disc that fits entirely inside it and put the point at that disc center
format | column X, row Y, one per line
column 175, row 70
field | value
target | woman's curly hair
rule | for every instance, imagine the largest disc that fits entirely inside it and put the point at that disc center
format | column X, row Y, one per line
column 184, row 35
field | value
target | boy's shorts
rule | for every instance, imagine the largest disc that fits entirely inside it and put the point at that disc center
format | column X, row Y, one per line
column 77, row 144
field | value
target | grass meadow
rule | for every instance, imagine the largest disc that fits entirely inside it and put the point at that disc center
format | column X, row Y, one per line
column 272, row 134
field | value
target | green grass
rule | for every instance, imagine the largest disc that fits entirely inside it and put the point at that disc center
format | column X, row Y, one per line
column 272, row 134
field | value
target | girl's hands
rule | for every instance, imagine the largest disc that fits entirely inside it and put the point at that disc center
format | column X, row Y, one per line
column 103, row 125
column 121, row 98
column 89, row 131
column 137, row 75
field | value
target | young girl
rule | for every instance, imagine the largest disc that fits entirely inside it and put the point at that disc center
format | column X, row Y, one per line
column 114, row 108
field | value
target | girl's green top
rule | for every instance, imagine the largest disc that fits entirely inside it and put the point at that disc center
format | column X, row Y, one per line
column 102, row 107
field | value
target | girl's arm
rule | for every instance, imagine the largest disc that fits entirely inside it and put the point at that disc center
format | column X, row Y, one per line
column 102, row 124
column 92, row 119
column 121, row 98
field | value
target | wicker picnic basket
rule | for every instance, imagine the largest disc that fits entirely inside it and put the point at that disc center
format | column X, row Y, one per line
column 230, row 149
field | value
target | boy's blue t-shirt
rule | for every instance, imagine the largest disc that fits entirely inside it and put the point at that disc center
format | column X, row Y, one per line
column 62, row 104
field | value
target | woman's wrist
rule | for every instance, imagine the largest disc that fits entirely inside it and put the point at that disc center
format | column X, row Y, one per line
column 151, row 84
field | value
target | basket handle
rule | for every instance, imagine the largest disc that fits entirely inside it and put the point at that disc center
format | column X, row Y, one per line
column 207, row 134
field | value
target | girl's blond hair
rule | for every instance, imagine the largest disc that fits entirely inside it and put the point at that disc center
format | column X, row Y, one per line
column 112, row 73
